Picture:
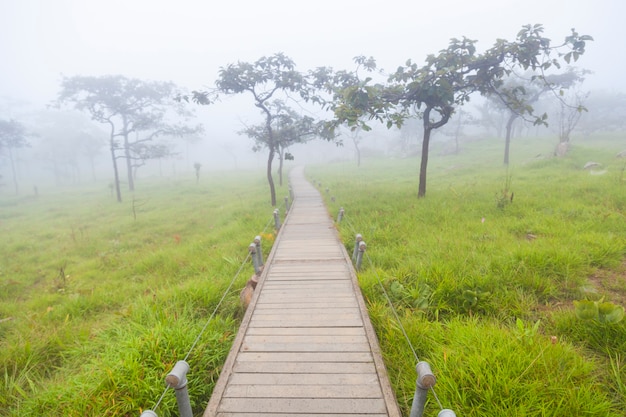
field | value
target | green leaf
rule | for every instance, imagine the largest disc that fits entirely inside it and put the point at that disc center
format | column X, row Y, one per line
column 586, row 310
column 610, row 313
column 568, row 57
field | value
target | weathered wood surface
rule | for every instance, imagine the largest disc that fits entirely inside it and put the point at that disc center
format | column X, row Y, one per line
column 306, row 346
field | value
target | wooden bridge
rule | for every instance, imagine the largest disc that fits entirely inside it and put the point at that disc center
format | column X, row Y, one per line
column 306, row 346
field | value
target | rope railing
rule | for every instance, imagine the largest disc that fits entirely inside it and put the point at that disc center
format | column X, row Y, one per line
column 177, row 378
column 425, row 378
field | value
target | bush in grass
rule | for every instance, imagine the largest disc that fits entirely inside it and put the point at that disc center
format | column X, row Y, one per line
column 127, row 373
column 484, row 368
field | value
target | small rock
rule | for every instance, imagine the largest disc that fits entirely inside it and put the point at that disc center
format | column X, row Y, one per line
column 590, row 165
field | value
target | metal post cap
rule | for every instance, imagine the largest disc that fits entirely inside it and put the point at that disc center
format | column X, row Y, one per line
column 257, row 239
column 252, row 248
column 425, row 377
column 178, row 375
column 149, row 413
column 446, row 413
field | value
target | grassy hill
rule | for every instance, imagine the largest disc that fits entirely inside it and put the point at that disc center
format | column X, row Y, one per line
column 98, row 300
column 485, row 270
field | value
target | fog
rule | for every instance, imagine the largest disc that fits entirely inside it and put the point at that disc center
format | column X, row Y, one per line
column 187, row 41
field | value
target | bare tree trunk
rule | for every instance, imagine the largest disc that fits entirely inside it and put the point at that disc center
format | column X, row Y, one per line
column 281, row 152
column 129, row 164
column 561, row 149
column 428, row 128
column 424, row 164
column 457, row 133
column 270, row 179
column 507, row 140
column 116, row 172
column 13, row 171
column 92, row 163
column 355, row 141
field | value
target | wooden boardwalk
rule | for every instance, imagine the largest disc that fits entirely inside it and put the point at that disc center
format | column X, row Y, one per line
column 306, row 346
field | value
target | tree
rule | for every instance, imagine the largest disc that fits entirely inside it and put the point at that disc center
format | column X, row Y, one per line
column 607, row 109
column 263, row 80
column 356, row 137
column 346, row 86
column 491, row 117
column 127, row 106
column 571, row 107
column 196, row 167
column 289, row 127
column 67, row 137
column 13, row 135
column 447, row 81
column 517, row 95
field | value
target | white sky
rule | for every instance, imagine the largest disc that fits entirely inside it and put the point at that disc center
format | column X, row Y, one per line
column 186, row 41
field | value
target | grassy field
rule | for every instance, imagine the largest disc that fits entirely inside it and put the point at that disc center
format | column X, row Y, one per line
column 98, row 300
column 484, row 273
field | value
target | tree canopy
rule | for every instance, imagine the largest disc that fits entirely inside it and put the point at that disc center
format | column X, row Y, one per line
column 136, row 112
column 265, row 80
column 13, row 135
column 447, row 80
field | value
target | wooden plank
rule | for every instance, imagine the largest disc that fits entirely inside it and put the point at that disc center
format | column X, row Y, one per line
column 345, row 357
column 302, row 338
column 308, row 302
column 307, row 311
column 328, row 331
column 303, row 293
column 227, row 414
column 305, row 368
column 303, row 405
column 305, row 379
column 309, row 286
column 311, row 304
column 304, row 347
column 303, row 391
column 322, row 317
column 304, row 299
column 324, row 281
column 321, row 321
column 256, row 322
column 326, row 295
column 318, row 266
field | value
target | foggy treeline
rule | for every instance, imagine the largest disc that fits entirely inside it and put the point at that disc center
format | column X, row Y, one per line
column 62, row 146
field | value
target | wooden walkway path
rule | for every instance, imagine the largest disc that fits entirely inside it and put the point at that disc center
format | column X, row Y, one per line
column 306, row 346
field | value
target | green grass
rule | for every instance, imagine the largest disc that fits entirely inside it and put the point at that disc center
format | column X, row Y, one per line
column 471, row 271
column 99, row 301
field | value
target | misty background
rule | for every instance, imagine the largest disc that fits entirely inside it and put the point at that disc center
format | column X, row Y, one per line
column 187, row 41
